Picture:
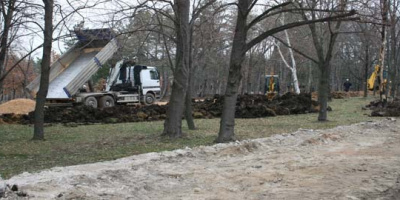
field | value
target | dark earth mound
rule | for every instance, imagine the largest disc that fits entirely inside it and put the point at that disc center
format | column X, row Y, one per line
column 389, row 109
column 247, row 106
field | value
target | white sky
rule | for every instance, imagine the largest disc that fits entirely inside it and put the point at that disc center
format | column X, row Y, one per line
column 98, row 15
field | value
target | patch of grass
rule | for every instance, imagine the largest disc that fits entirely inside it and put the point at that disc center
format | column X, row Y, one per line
column 86, row 144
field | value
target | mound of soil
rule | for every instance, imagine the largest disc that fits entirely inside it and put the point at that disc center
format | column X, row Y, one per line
column 18, row 106
column 380, row 109
column 253, row 106
column 247, row 106
column 117, row 114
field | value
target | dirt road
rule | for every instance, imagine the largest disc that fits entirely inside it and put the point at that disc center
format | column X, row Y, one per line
column 360, row 161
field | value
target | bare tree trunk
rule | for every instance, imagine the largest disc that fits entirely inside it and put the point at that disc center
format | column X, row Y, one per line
column 381, row 62
column 393, row 56
column 38, row 133
column 173, row 122
column 188, row 106
column 324, row 59
column 188, row 103
column 323, row 91
column 227, row 123
column 309, row 84
column 366, row 70
column 292, row 68
column 188, row 100
column 7, row 17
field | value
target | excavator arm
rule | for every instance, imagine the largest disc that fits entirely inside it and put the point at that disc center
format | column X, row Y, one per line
column 374, row 75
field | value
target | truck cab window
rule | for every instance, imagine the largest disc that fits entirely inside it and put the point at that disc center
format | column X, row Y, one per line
column 122, row 74
column 154, row 75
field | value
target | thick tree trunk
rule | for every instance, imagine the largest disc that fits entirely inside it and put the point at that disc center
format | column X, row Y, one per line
column 381, row 61
column 188, row 100
column 393, row 56
column 38, row 133
column 323, row 91
column 188, row 104
column 249, row 81
column 309, row 84
column 227, row 123
column 173, row 122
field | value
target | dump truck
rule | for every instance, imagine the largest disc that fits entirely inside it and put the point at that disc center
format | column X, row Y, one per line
column 126, row 83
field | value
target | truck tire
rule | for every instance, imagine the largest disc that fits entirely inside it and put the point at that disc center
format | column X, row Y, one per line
column 91, row 101
column 106, row 102
column 149, row 99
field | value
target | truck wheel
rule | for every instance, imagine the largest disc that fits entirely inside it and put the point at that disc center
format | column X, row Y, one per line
column 149, row 99
column 106, row 102
column 91, row 101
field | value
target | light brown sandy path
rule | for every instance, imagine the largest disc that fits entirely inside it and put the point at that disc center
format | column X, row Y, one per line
column 351, row 162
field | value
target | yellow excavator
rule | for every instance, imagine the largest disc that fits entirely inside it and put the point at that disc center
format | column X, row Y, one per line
column 271, row 86
column 374, row 76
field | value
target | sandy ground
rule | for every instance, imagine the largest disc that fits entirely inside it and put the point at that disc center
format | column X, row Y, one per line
column 360, row 161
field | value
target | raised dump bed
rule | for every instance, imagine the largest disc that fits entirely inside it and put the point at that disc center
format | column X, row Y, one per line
column 75, row 67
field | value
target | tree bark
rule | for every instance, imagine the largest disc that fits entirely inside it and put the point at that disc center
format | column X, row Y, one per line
column 393, row 56
column 238, row 52
column 188, row 100
column 4, row 37
column 292, row 67
column 188, row 103
column 38, row 133
column 366, row 66
column 381, row 62
column 173, row 122
column 323, row 91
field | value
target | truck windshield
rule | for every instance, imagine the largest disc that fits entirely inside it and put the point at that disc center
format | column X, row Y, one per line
column 122, row 74
column 154, row 75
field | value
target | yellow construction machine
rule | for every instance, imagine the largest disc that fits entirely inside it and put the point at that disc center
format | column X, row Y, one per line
column 374, row 76
column 271, row 86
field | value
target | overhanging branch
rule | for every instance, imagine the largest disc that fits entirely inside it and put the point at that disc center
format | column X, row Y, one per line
column 295, row 24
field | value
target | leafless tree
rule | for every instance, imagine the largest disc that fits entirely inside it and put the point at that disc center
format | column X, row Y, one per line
column 38, row 133
column 241, row 45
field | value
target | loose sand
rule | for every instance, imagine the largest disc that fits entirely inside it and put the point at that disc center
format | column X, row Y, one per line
column 18, row 106
column 360, row 161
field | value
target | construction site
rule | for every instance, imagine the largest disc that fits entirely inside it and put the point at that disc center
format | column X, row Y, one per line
column 207, row 100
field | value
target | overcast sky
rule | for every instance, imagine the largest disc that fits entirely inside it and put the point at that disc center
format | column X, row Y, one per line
column 99, row 14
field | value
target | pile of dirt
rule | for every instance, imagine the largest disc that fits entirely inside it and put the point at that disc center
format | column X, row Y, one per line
column 17, row 106
column 117, row 114
column 247, row 106
column 389, row 109
column 253, row 106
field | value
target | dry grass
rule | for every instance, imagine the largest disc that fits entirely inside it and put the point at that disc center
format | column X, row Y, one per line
column 93, row 143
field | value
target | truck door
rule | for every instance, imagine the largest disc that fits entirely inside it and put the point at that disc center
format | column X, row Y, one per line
column 150, row 81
